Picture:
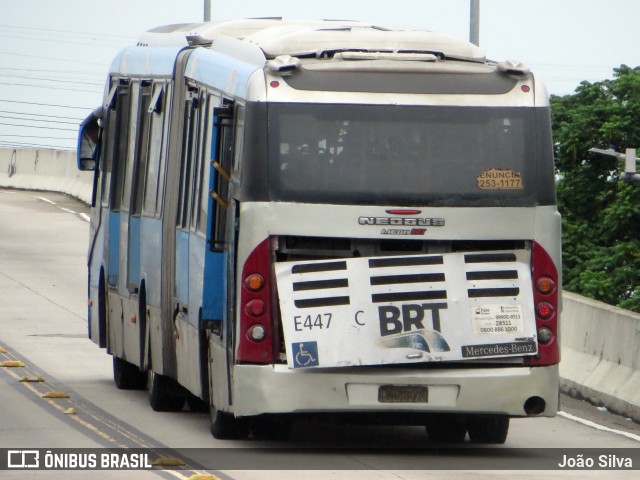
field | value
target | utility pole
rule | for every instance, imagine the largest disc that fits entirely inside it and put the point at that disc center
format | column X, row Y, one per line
column 207, row 10
column 474, row 22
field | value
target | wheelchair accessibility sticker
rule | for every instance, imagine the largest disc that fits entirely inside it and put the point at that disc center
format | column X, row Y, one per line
column 305, row 354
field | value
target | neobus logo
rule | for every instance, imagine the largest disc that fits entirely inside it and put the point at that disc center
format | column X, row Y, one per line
column 400, row 221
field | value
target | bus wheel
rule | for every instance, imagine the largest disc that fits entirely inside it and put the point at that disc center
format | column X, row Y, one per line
column 196, row 404
column 127, row 376
column 224, row 426
column 271, row 427
column 165, row 394
column 446, row 428
column 488, row 428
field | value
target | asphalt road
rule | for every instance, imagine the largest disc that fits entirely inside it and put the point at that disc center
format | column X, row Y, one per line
column 43, row 244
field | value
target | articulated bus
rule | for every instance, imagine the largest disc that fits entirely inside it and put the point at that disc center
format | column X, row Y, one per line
column 328, row 221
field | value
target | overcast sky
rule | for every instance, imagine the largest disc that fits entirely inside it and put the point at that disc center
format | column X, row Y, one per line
column 62, row 48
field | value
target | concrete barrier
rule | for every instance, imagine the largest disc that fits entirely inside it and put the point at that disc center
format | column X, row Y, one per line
column 601, row 354
column 600, row 343
column 41, row 169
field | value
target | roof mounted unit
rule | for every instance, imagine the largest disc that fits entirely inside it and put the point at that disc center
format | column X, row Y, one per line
column 198, row 41
column 322, row 39
column 513, row 68
column 283, row 65
column 399, row 56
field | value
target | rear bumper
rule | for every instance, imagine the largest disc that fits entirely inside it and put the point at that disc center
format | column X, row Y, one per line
column 278, row 389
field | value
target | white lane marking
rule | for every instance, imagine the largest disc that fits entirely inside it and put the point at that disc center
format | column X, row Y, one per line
column 46, row 200
column 83, row 216
column 597, row 426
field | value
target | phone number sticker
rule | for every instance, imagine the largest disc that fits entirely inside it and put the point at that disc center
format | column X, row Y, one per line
column 499, row 179
column 497, row 319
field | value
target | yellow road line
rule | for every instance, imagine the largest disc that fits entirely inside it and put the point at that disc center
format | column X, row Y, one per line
column 62, row 405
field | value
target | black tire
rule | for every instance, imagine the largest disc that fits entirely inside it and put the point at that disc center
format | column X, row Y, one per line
column 127, row 376
column 224, row 426
column 446, row 428
column 196, row 404
column 492, row 429
column 271, row 427
column 165, row 394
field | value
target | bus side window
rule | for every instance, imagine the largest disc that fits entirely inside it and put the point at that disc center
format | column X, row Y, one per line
column 141, row 148
column 156, row 142
column 201, row 180
column 224, row 126
column 126, row 179
column 189, row 156
column 118, row 155
column 208, row 153
column 109, row 142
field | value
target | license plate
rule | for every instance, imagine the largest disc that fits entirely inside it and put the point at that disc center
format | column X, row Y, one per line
column 403, row 394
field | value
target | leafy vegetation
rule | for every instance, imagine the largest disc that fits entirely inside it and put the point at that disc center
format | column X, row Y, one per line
column 601, row 214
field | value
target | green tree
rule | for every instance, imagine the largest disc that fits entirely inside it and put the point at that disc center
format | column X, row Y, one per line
column 601, row 215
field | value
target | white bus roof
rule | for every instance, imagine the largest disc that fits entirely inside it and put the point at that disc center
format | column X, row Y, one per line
column 313, row 38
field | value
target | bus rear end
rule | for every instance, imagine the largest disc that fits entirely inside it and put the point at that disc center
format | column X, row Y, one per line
column 398, row 249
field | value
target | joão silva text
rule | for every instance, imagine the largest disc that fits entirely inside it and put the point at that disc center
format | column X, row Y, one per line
column 604, row 461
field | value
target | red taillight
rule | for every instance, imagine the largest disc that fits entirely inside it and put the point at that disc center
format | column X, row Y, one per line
column 545, row 285
column 254, row 282
column 544, row 310
column 254, row 307
column 255, row 340
column 545, row 299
